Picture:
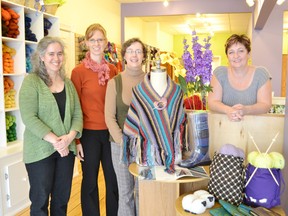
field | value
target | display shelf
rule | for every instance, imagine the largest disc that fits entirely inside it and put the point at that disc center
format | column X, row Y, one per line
column 14, row 184
column 17, row 79
column 36, row 24
column 54, row 29
column 19, row 128
column 20, row 11
column 162, row 203
column 181, row 212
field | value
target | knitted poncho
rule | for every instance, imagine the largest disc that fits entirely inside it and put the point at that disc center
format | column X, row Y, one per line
column 153, row 131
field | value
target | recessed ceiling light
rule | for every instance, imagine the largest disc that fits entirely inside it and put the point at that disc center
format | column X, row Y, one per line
column 165, row 3
column 250, row 3
column 279, row 2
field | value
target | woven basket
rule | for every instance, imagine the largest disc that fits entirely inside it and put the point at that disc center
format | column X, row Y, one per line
column 31, row 4
column 20, row 2
column 51, row 9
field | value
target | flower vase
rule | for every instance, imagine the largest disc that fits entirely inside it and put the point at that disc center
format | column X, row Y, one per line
column 203, row 97
column 197, row 146
column 195, row 102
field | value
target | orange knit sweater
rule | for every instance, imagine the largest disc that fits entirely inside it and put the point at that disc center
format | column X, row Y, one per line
column 91, row 95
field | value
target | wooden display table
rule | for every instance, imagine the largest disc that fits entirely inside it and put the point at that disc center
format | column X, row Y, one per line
column 181, row 212
column 158, row 197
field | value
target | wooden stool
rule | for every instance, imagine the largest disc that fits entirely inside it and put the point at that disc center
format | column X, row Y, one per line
column 181, row 212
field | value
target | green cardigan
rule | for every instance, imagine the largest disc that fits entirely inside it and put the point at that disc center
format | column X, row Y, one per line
column 40, row 115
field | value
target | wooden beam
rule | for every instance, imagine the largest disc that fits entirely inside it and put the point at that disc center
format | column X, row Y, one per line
column 262, row 11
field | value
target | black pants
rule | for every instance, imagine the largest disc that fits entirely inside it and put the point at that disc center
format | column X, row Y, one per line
column 52, row 177
column 97, row 148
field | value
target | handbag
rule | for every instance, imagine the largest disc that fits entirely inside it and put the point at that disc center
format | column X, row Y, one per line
column 227, row 178
column 264, row 188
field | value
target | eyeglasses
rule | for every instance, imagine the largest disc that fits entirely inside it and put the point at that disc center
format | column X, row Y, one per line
column 93, row 41
column 138, row 51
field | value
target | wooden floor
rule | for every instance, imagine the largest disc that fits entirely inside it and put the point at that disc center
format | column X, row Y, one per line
column 74, row 206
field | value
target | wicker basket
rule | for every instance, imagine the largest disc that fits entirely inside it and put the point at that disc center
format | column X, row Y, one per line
column 32, row 4
column 20, row 2
column 51, row 9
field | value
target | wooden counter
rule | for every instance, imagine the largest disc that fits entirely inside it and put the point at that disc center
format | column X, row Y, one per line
column 263, row 128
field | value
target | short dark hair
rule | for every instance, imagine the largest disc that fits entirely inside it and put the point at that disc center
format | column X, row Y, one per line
column 235, row 38
column 128, row 43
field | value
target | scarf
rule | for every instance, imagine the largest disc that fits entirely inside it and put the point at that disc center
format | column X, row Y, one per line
column 102, row 69
column 153, row 131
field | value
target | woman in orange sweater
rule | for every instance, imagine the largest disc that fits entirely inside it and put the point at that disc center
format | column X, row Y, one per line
column 90, row 79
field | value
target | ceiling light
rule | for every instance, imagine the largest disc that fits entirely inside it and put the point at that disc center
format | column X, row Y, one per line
column 250, row 3
column 279, row 2
column 165, row 3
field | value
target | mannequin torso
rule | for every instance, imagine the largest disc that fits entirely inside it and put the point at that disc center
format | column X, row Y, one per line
column 159, row 81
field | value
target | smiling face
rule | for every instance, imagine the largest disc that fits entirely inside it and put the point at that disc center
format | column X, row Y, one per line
column 134, row 56
column 97, row 43
column 238, row 55
column 53, row 58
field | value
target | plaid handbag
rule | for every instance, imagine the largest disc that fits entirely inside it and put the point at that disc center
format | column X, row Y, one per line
column 227, row 178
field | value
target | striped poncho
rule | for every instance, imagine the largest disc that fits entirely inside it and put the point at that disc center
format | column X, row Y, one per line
column 153, row 131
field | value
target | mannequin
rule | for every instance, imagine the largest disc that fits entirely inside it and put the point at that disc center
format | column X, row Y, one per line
column 153, row 132
column 158, row 79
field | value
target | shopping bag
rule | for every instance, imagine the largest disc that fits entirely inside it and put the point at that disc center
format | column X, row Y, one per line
column 227, row 178
column 264, row 188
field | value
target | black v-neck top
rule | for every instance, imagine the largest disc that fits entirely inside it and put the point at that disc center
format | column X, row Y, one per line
column 60, row 98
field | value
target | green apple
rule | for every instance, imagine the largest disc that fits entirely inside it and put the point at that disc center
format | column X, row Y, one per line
column 278, row 160
column 263, row 160
column 251, row 157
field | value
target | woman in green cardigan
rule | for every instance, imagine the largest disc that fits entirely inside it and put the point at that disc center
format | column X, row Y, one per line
column 51, row 112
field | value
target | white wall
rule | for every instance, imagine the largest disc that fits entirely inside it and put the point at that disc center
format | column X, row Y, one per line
column 133, row 28
column 165, row 41
column 79, row 14
column 149, row 32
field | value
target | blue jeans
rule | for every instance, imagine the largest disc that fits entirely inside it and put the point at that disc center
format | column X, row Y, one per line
column 50, row 177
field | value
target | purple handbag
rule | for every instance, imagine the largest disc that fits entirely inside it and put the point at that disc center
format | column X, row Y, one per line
column 262, row 189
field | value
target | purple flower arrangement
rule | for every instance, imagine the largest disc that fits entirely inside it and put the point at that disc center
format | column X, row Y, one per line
column 198, row 67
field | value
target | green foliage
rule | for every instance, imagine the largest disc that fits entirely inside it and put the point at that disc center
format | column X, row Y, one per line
column 183, row 84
